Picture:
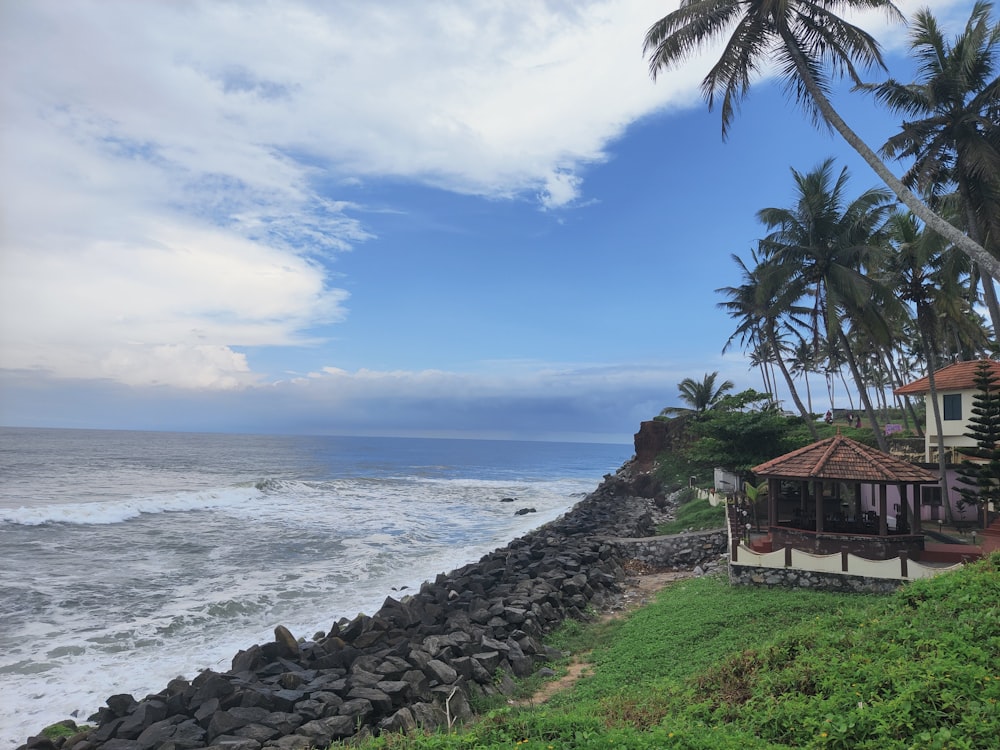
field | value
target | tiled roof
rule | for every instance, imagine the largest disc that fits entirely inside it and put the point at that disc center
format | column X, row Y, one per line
column 840, row 457
column 957, row 377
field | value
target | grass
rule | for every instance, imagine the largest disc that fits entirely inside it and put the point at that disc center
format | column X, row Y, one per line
column 711, row 666
column 695, row 515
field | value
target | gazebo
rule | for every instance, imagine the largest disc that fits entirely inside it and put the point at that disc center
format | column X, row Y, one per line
column 833, row 496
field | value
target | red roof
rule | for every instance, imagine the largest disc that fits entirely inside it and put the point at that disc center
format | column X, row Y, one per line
column 960, row 376
column 840, row 457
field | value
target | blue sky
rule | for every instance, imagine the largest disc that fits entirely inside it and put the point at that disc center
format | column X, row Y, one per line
column 474, row 219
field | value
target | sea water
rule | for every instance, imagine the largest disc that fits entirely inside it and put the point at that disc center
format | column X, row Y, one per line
column 131, row 558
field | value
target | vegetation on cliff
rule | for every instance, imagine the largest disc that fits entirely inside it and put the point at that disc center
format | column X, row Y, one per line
column 738, row 432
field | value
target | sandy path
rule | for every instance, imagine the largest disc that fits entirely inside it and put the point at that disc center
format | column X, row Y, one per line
column 638, row 590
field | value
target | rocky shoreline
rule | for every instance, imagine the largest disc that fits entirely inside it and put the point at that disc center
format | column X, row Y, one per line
column 419, row 661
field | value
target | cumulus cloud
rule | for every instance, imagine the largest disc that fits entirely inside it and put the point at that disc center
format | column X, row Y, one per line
column 163, row 162
column 166, row 166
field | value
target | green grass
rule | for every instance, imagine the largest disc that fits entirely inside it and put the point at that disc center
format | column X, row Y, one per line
column 695, row 515
column 715, row 667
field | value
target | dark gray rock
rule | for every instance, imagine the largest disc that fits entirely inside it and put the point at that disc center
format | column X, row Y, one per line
column 380, row 702
column 401, row 721
column 325, row 731
column 258, row 732
column 143, row 715
column 121, row 704
column 233, row 742
column 359, row 709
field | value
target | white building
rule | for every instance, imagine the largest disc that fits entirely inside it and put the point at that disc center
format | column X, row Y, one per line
column 956, row 389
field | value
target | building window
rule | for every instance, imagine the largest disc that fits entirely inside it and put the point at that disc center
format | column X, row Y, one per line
column 952, row 406
column 930, row 495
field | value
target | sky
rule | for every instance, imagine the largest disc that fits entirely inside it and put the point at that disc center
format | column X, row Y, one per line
column 474, row 219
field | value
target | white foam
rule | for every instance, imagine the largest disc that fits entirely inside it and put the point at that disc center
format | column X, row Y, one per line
column 124, row 509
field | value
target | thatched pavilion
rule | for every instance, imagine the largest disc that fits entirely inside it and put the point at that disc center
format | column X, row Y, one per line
column 832, row 496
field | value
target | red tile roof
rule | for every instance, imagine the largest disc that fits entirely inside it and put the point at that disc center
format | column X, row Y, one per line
column 840, row 457
column 960, row 376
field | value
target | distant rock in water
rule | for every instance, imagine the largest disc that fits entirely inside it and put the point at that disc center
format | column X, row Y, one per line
column 507, row 499
column 523, row 511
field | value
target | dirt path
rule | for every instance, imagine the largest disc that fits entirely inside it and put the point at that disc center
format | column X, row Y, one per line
column 639, row 589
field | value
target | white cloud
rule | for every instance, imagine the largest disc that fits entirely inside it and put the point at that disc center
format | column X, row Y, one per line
column 159, row 160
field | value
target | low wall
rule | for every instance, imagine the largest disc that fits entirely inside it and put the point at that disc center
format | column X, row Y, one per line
column 675, row 551
column 794, row 568
column 746, row 575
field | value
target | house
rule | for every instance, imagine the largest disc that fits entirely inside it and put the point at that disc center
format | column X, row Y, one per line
column 956, row 389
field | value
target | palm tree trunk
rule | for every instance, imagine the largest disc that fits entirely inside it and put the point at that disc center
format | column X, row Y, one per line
column 913, row 415
column 791, row 385
column 992, row 304
column 937, row 224
column 903, row 402
column 872, row 418
column 989, row 290
column 843, row 379
column 924, row 323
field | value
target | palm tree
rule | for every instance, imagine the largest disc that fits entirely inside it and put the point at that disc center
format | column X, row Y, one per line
column 827, row 243
column 799, row 37
column 925, row 276
column 761, row 357
column 954, row 140
column 700, row 396
column 803, row 362
column 757, row 303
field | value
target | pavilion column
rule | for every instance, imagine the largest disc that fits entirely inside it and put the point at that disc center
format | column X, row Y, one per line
column 916, row 509
column 803, row 496
column 818, row 490
column 857, row 501
column 904, row 508
column 773, row 487
column 883, row 504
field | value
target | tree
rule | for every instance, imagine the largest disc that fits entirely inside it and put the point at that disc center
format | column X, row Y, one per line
column 982, row 476
column 801, row 37
column 953, row 139
column 757, row 303
column 927, row 277
column 742, row 431
column 699, row 396
column 825, row 242
column 802, row 363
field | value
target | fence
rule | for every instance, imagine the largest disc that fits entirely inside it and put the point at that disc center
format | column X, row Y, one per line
column 844, row 563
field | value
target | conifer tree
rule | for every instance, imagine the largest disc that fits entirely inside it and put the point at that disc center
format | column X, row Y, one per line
column 983, row 474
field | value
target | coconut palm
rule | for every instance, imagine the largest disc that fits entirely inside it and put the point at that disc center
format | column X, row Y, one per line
column 760, row 356
column 925, row 276
column 757, row 303
column 803, row 362
column 827, row 242
column 953, row 139
column 700, row 396
column 810, row 46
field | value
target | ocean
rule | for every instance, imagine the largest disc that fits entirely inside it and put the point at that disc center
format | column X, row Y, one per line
column 131, row 558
